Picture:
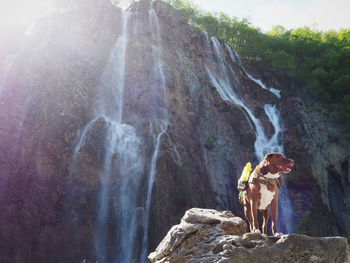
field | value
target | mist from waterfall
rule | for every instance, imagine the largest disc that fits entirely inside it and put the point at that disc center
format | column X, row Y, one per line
column 225, row 83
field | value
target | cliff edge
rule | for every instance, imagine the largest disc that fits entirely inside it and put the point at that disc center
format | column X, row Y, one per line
column 206, row 235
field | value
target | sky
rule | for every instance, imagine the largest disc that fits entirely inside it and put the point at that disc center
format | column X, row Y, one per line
column 327, row 14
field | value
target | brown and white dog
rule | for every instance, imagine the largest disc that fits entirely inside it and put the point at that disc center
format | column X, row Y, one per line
column 263, row 189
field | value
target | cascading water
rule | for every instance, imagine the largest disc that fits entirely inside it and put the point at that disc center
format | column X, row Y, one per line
column 150, row 183
column 125, row 146
column 161, row 121
column 225, row 83
column 275, row 142
column 224, row 86
column 262, row 85
column 122, row 153
column 130, row 167
column 158, row 69
column 122, row 168
column 276, row 145
column 235, row 57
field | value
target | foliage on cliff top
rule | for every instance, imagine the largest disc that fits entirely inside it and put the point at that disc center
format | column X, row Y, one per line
column 319, row 59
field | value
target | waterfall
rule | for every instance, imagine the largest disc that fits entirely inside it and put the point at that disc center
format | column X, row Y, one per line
column 224, row 86
column 124, row 145
column 262, row 85
column 130, row 171
column 158, row 69
column 235, row 58
column 150, row 183
column 110, row 101
column 233, row 55
column 276, row 145
column 122, row 168
column 161, row 122
column 225, row 83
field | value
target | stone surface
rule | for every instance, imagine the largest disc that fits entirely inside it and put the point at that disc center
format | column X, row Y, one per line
column 204, row 240
column 198, row 225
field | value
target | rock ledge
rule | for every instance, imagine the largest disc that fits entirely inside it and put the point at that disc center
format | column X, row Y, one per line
column 206, row 236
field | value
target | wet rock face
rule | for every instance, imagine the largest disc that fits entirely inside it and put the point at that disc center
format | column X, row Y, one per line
column 319, row 184
column 201, row 237
column 45, row 102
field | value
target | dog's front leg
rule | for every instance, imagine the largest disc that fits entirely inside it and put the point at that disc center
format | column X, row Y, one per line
column 266, row 216
column 254, row 214
column 248, row 215
column 274, row 215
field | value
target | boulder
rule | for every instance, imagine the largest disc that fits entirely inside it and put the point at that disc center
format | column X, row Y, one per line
column 206, row 236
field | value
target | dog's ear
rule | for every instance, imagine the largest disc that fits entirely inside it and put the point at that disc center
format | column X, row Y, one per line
column 268, row 156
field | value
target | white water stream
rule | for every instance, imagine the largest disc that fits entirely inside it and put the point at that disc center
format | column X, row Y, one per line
column 121, row 163
column 235, row 58
column 161, row 122
column 150, row 183
column 122, row 153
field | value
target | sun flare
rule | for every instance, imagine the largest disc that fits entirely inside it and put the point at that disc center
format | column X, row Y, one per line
column 22, row 12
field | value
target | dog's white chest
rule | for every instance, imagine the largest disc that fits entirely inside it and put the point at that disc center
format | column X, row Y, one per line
column 266, row 197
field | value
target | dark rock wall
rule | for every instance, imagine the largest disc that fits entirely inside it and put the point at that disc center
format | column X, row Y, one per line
column 44, row 104
column 48, row 210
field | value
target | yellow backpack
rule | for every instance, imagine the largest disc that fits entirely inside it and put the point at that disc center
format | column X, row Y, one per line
column 243, row 180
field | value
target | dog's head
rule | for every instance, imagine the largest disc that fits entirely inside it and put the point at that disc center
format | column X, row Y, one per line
column 277, row 162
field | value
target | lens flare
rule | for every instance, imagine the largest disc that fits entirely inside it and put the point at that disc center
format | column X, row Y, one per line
column 22, row 12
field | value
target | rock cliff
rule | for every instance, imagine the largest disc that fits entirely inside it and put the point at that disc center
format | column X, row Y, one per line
column 207, row 235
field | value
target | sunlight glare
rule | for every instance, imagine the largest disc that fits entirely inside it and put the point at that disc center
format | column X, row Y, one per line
column 22, row 12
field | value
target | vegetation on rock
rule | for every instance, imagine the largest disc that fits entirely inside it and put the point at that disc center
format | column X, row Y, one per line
column 319, row 59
